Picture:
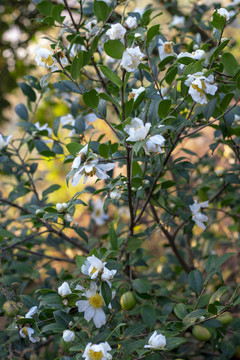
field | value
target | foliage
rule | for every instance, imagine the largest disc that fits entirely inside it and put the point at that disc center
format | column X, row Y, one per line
column 156, row 277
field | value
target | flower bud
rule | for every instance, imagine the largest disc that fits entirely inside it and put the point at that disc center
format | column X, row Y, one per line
column 68, row 217
column 64, row 289
column 128, row 300
column 195, row 47
column 68, row 335
column 61, row 207
column 65, row 302
column 75, row 225
column 201, row 333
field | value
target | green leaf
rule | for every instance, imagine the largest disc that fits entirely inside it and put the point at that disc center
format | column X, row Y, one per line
column 226, row 101
column 110, row 99
column 165, row 61
column 91, row 99
column 218, row 21
column 101, row 10
column 180, row 310
column 82, row 234
column 74, row 148
column 113, row 237
column 153, row 31
column 218, row 294
column 80, row 260
column 219, row 49
column 50, row 189
column 170, row 75
column 23, row 321
column 56, row 13
column 45, row 7
column 111, row 75
column 28, row 91
column 209, row 108
column 114, row 48
column 21, row 111
column 55, row 328
column 195, row 280
column 230, row 63
column 149, row 315
column 191, row 318
column 163, row 108
column 141, row 286
column 104, row 150
column 76, row 66
column 106, row 292
column 62, row 318
column 174, row 342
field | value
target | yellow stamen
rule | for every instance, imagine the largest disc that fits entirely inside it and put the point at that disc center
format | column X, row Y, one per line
column 96, row 301
column 93, row 271
column 168, row 48
column 91, row 173
column 95, row 355
column 24, row 330
column 48, row 61
column 200, row 90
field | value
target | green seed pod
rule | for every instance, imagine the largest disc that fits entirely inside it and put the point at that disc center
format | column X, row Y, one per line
column 201, row 333
column 11, row 308
column 128, row 300
column 225, row 318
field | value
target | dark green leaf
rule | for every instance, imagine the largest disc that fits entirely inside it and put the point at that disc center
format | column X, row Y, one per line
column 28, row 91
column 91, row 99
column 104, row 150
column 141, row 285
column 45, row 7
column 76, row 66
column 148, row 314
column 152, row 31
column 101, row 10
column 21, row 111
column 56, row 13
column 50, row 189
column 111, row 75
column 230, row 63
column 80, row 260
column 74, row 148
column 163, row 108
column 106, row 292
column 195, row 280
column 114, row 48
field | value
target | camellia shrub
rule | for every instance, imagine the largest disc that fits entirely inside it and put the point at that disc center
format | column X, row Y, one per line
column 142, row 261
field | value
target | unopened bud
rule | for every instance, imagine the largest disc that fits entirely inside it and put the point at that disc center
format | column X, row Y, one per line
column 65, row 302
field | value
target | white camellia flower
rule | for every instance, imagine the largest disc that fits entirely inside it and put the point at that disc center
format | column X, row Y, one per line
column 131, row 58
column 98, row 215
column 223, row 12
column 108, row 275
column 67, row 119
column 154, row 143
column 197, row 55
column 90, row 24
column 43, row 127
column 97, row 352
column 115, row 194
column 94, row 267
column 28, row 332
column 178, row 21
column 64, row 289
column 4, row 142
column 92, row 307
column 165, row 49
column 45, row 58
column 61, row 56
column 31, row 312
column 61, row 207
column 90, row 117
column 198, row 217
column 135, row 93
column 137, row 130
column 79, row 288
column 89, row 168
column 130, row 23
column 116, row 32
column 68, row 335
column 156, row 341
column 199, row 85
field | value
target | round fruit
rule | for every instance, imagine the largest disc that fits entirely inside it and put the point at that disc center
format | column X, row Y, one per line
column 11, row 308
column 201, row 333
column 128, row 300
column 225, row 318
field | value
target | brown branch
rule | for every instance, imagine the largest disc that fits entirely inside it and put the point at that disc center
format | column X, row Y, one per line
column 44, row 255
column 70, row 14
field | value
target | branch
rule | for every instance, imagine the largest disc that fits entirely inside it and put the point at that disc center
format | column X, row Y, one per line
column 43, row 255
